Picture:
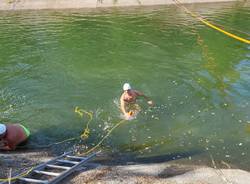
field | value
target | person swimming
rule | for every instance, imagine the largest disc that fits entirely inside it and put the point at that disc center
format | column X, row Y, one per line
column 128, row 104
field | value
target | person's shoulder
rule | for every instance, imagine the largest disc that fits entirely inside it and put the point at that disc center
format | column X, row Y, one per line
column 122, row 95
column 16, row 125
column 13, row 126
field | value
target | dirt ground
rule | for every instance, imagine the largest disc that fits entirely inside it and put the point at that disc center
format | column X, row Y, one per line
column 18, row 162
column 105, row 170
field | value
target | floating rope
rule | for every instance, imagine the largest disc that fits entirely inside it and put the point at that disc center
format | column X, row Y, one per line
column 83, row 136
column 81, row 112
column 179, row 4
column 105, row 137
column 86, row 132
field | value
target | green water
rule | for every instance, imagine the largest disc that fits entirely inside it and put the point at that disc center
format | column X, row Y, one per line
column 53, row 61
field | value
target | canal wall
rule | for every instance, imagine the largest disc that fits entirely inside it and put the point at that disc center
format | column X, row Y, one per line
column 72, row 4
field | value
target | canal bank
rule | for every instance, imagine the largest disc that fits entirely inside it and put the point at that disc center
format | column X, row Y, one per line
column 183, row 171
column 66, row 4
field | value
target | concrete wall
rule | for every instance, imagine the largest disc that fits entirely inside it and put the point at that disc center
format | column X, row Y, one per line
column 64, row 4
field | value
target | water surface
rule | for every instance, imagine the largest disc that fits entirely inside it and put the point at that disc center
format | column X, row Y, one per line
column 53, row 61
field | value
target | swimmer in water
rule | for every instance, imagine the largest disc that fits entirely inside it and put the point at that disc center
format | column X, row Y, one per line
column 128, row 104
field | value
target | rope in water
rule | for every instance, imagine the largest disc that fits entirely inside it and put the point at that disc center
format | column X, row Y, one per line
column 179, row 4
column 101, row 141
column 83, row 136
column 86, row 132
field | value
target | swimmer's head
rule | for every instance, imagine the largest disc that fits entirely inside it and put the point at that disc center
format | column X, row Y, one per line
column 2, row 129
column 126, row 86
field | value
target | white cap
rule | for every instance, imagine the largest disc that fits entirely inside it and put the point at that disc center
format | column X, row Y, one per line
column 2, row 128
column 126, row 86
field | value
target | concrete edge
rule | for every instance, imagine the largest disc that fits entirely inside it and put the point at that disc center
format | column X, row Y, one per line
column 77, row 4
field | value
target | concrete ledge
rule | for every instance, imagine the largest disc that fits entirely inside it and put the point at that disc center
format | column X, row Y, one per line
column 71, row 4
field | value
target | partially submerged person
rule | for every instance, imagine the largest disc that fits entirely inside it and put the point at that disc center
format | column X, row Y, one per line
column 12, row 135
column 128, row 104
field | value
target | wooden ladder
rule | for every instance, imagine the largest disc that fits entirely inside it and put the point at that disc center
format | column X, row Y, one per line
column 54, row 170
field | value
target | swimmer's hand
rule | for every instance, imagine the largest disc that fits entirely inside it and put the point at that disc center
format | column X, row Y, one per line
column 150, row 102
column 128, row 115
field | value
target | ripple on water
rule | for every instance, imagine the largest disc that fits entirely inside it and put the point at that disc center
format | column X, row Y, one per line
column 52, row 61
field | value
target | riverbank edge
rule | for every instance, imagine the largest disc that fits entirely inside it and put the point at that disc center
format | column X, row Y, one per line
column 79, row 4
column 183, row 171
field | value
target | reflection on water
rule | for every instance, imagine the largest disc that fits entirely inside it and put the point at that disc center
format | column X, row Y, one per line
column 53, row 61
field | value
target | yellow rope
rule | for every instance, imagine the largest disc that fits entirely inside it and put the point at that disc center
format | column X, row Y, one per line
column 101, row 141
column 179, row 4
column 17, row 177
column 66, row 140
column 83, row 136
column 86, row 131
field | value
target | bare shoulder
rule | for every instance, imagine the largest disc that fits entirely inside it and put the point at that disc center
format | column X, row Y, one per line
column 122, row 96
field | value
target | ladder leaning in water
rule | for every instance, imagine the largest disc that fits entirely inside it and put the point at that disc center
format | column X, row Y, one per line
column 45, row 173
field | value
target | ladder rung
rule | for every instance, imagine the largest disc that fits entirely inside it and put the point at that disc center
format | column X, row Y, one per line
column 34, row 180
column 54, row 163
column 47, row 173
column 68, row 161
column 75, row 157
column 58, row 166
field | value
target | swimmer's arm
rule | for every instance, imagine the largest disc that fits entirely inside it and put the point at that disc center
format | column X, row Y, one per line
column 2, row 143
column 142, row 94
column 4, row 146
column 122, row 105
column 149, row 101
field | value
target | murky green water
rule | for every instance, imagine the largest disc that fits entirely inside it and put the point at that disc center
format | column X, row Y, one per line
column 52, row 61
